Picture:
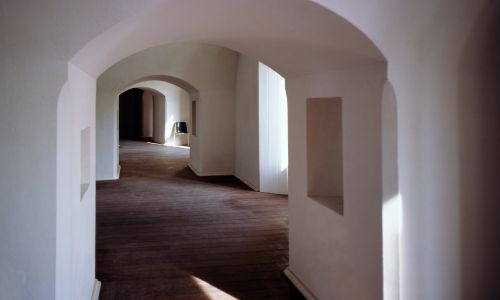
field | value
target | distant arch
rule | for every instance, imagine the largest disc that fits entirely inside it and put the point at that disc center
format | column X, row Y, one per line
column 170, row 104
column 183, row 84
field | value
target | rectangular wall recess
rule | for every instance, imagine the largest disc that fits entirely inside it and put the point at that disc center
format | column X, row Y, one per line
column 193, row 118
column 324, row 152
column 84, row 161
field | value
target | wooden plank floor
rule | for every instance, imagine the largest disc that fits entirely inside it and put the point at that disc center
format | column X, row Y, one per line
column 163, row 233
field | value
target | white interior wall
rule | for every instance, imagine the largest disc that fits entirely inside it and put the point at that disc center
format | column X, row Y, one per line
column 178, row 110
column 159, row 118
column 273, row 132
column 246, row 140
column 442, row 65
column 107, row 116
column 432, row 167
column 342, row 253
column 436, row 77
column 215, row 132
column 194, row 156
column 75, row 265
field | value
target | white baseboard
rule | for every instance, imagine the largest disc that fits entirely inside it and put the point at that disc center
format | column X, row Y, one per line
column 118, row 171
column 198, row 173
column 96, row 290
column 299, row 284
column 253, row 187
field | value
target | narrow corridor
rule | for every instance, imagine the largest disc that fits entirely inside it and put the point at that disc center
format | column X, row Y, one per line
column 164, row 233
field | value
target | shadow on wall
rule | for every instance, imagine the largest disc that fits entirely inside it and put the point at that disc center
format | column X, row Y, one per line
column 479, row 121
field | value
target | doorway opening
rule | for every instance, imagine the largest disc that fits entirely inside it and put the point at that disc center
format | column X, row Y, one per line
column 243, row 111
column 166, row 111
column 134, row 116
column 323, row 64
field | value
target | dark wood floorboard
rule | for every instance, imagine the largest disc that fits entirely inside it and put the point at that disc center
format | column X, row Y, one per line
column 164, row 233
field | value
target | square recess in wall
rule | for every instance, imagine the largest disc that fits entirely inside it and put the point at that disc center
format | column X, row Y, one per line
column 84, row 161
column 324, row 152
column 193, row 118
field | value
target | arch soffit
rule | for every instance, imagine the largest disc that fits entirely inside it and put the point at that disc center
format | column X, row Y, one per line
column 186, row 86
column 294, row 37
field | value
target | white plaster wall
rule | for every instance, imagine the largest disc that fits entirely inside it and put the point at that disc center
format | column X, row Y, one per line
column 210, row 69
column 75, row 243
column 215, row 132
column 35, row 51
column 178, row 110
column 246, row 144
column 442, row 63
column 335, row 255
column 194, row 156
column 435, row 50
column 107, row 117
column 159, row 118
column 431, row 71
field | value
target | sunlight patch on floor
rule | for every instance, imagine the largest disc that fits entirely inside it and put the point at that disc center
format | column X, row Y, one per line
column 211, row 291
column 168, row 145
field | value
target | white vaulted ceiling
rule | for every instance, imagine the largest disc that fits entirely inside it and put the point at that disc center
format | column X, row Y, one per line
column 295, row 37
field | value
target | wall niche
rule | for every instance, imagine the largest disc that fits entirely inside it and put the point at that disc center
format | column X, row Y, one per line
column 84, row 161
column 324, row 152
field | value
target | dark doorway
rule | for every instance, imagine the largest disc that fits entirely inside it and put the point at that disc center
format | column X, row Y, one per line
column 131, row 114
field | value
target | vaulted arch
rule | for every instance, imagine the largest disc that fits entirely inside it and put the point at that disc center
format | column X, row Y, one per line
column 294, row 37
column 320, row 54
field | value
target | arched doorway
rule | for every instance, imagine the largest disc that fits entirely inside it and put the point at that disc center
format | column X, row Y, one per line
column 310, row 68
